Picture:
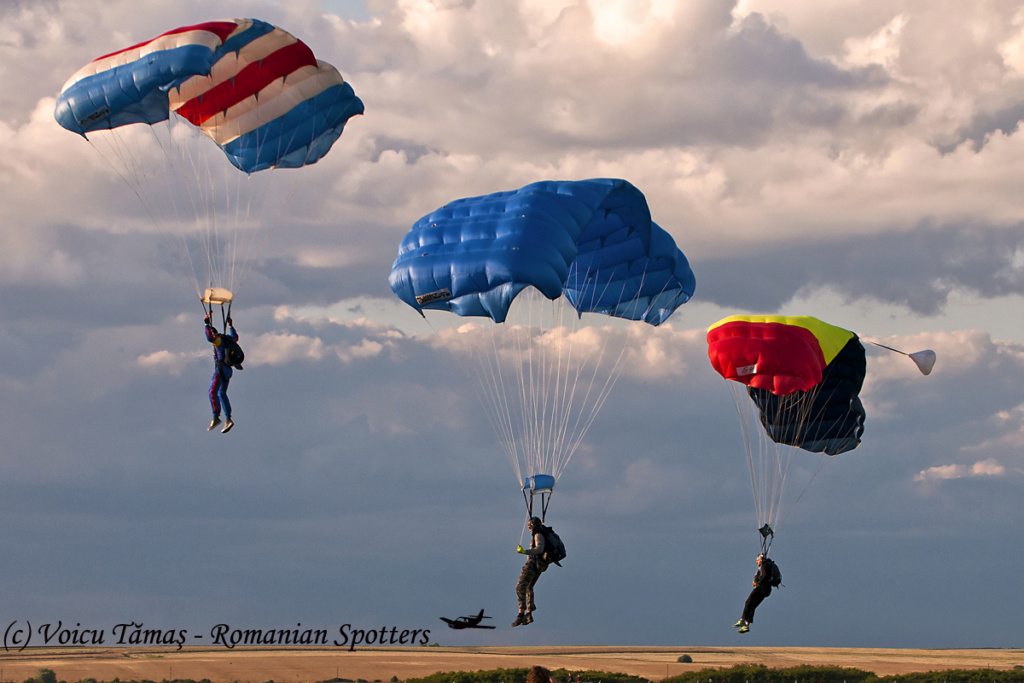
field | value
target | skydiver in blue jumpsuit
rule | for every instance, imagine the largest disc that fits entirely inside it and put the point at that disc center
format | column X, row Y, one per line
column 221, row 376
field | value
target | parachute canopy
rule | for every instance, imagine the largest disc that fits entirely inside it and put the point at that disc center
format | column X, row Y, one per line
column 254, row 89
column 590, row 240
column 804, row 375
column 528, row 264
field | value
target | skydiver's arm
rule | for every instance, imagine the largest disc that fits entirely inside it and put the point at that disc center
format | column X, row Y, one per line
column 537, row 547
column 761, row 577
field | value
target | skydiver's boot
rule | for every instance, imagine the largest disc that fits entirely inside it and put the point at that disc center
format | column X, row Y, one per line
column 740, row 624
column 520, row 620
column 743, row 630
column 227, row 426
column 529, row 617
column 214, row 423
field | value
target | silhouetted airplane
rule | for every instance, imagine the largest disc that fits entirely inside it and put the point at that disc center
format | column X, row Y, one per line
column 466, row 622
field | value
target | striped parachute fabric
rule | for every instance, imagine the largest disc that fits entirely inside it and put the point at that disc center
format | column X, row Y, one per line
column 254, row 89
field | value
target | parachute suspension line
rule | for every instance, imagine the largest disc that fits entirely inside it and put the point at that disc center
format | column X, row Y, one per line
column 545, row 500
column 491, row 384
column 784, row 460
column 743, row 410
column 555, row 390
column 500, row 410
column 247, row 241
column 767, row 536
column 208, row 200
column 524, row 335
column 806, row 419
column 585, row 419
column 182, row 167
column 540, row 392
column 135, row 162
column 771, row 462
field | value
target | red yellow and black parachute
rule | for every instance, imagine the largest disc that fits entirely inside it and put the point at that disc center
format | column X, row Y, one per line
column 803, row 374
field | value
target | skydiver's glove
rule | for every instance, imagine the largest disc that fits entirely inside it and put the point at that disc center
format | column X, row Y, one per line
column 206, row 321
column 229, row 320
column 519, row 549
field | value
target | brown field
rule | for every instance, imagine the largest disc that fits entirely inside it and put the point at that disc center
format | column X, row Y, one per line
column 372, row 664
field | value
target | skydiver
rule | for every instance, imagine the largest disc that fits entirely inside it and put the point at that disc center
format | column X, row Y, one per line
column 762, row 589
column 534, row 567
column 221, row 375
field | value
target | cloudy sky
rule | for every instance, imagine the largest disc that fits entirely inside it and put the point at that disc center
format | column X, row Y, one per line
column 858, row 160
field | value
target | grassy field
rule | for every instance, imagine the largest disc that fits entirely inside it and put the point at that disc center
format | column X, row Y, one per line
column 381, row 664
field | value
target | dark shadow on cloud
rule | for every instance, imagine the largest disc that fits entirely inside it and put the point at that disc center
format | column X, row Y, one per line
column 894, row 115
column 917, row 268
column 412, row 150
column 125, row 279
column 759, row 52
column 982, row 127
column 752, row 80
column 301, row 285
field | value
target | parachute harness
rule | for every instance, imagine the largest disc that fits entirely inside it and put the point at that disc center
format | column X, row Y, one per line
column 225, row 314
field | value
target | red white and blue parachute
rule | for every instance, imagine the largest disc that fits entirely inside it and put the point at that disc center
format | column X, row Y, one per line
column 254, row 89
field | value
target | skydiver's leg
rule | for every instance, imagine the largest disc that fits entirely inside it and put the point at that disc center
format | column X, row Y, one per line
column 214, row 393
column 223, row 396
column 524, row 593
column 524, row 586
column 530, row 606
column 755, row 598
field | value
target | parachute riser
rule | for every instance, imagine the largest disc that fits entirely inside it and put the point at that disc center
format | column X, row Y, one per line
column 225, row 314
column 767, row 536
column 545, row 500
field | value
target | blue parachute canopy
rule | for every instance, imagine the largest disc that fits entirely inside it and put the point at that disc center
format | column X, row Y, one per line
column 591, row 240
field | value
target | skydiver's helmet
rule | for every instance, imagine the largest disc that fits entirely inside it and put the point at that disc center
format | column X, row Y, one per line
column 535, row 524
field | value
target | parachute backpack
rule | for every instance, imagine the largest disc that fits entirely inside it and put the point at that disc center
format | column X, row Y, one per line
column 233, row 354
column 774, row 573
column 554, row 549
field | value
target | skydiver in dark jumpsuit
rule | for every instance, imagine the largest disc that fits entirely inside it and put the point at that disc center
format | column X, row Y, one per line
column 762, row 589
